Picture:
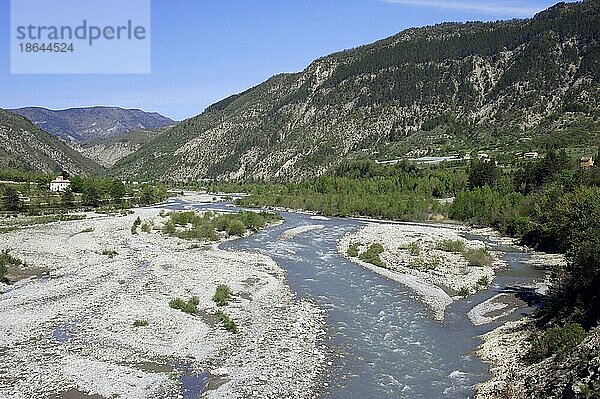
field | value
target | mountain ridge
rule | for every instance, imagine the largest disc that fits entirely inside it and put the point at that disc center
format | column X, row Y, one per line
column 425, row 90
column 24, row 146
column 82, row 124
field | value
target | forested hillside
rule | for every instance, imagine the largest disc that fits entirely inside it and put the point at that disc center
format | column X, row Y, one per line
column 26, row 147
column 441, row 89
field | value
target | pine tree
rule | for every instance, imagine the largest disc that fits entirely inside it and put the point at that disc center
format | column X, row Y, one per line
column 68, row 198
column 91, row 196
column 11, row 201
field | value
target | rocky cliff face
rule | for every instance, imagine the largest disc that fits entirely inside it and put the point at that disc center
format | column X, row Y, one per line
column 25, row 146
column 433, row 89
column 110, row 150
column 81, row 125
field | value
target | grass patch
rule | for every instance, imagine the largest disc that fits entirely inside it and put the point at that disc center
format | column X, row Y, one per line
column 555, row 341
column 18, row 222
column 371, row 255
column 6, row 260
column 353, row 250
column 190, row 307
column 222, row 295
column 227, row 322
column 61, row 217
column 456, row 246
column 140, row 323
column 414, row 249
column 478, row 257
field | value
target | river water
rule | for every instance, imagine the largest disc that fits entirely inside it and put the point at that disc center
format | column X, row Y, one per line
column 384, row 343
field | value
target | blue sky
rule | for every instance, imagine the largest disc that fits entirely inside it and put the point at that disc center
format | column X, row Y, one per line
column 205, row 50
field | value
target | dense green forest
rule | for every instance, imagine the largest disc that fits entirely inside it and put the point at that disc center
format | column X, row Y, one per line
column 551, row 206
column 361, row 188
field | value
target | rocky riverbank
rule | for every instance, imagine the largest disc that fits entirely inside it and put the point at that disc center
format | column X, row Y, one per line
column 573, row 375
column 100, row 323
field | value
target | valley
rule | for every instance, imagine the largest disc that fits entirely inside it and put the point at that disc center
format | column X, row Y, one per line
column 418, row 217
column 290, row 306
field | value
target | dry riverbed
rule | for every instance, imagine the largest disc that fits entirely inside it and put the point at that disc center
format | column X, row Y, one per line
column 71, row 333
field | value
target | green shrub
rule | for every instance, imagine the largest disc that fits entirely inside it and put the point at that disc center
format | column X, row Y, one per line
column 206, row 226
column 135, row 226
column 353, row 250
column 254, row 221
column 6, row 260
column 169, row 228
column 191, row 306
column 228, row 323
column 202, row 232
column 483, row 281
column 555, row 340
column 371, row 255
column 111, row 253
column 221, row 223
column 184, row 218
column 518, row 226
column 414, row 248
column 456, row 246
column 222, row 295
column 147, row 227
column 464, row 292
column 236, row 228
column 140, row 323
column 478, row 257
column 425, row 264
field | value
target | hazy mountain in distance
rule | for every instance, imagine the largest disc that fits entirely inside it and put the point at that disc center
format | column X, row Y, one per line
column 84, row 124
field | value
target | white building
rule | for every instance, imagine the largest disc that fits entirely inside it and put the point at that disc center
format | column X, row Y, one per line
column 531, row 155
column 59, row 184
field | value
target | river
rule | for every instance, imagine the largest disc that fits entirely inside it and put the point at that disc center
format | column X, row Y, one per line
column 383, row 341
